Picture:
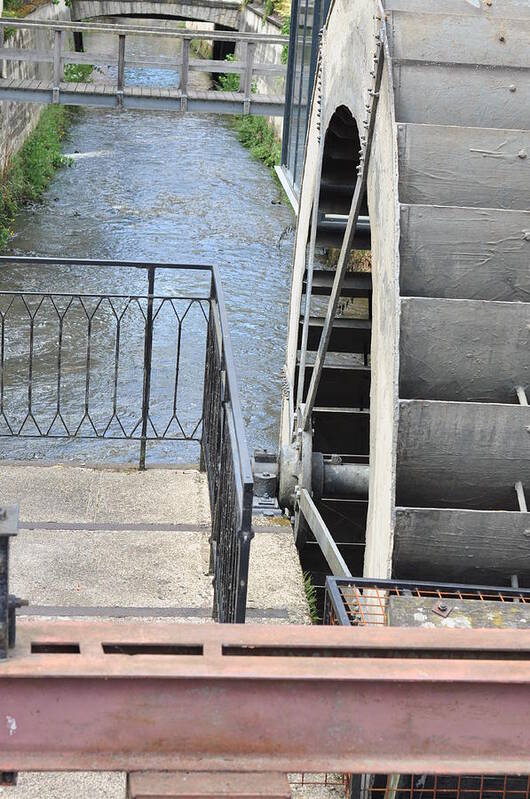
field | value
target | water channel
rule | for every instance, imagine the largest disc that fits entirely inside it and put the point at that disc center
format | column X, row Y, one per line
column 159, row 187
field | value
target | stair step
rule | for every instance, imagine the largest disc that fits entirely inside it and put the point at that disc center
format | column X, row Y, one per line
column 461, row 545
column 446, row 38
column 487, row 258
column 476, row 167
column 480, row 97
column 356, row 284
column 342, row 386
column 347, row 335
column 464, row 350
column 508, row 8
column 462, row 454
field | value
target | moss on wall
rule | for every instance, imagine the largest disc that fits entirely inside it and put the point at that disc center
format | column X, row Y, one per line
column 27, row 174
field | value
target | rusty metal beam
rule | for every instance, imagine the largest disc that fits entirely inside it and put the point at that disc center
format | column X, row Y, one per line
column 131, row 697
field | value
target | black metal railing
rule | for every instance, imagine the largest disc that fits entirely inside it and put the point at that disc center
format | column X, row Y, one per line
column 227, row 462
column 360, row 601
column 138, row 367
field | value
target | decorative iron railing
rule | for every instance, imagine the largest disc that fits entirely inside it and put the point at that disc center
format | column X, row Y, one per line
column 139, row 367
column 226, row 458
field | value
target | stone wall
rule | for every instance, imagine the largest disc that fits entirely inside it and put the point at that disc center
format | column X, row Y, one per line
column 254, row 20
column 17, row 120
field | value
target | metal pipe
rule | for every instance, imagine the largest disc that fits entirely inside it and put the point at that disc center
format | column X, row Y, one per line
column 349, row 480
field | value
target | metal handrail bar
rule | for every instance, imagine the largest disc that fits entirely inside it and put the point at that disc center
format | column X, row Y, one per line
column 173, row 33
column 231, row 379
column 73, row 57
column 32, row 260
column 407, row 585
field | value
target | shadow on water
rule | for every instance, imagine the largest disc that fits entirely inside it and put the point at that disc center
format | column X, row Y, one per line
column 161, row 187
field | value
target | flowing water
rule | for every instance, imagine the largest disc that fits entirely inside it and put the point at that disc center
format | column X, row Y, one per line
column 160, row 187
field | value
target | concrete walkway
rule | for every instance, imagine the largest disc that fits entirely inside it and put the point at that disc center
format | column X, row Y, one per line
column 120, row 543
column 111, row 542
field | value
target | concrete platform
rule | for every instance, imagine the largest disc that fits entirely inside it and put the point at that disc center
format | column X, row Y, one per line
column 123, row 543
column 120, row 543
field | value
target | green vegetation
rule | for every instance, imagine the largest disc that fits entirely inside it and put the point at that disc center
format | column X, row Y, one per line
column 77, row 73
column 28, row 173
column 259, row 137
column 311, row 596
column 280, row 7
column 254, row 133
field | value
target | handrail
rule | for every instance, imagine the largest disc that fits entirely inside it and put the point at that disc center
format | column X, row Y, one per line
column 59, row 55
column 225, row 455
column 214, row 422
column 172, row 33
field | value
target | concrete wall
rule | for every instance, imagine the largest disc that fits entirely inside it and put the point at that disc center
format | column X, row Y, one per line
column 218, row 12
column 253, row 20
column 17, row 120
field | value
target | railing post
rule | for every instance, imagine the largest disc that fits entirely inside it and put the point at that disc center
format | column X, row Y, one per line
column 247, row 83
column 57, row 64
column 121, row 69
column 184, row 74
column 148, row 355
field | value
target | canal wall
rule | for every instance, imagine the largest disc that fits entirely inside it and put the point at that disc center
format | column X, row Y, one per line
column 17, row 120
column 254, row 19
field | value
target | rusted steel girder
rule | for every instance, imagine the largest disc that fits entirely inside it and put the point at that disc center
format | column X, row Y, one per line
column 107, row 696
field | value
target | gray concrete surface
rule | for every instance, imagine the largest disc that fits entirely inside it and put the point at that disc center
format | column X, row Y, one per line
column 105, row 541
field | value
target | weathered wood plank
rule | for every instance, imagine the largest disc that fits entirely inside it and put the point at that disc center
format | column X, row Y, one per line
column 411, row 611
column 464, row 350
column 452, row 38
column 462, row 454
column 462, row 545
column 466, row 95
column 477, row 167
column 487, row 258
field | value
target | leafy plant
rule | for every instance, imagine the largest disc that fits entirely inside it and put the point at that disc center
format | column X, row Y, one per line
column 259, row 137
column 286, row 30
column 77, row 73
column 311, row 596
column 229, row 81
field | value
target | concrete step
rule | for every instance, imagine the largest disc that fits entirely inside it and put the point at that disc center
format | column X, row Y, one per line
column 465, row 253
column 478, row 96
column 461, row 545
column 464, row 350
column 460, row 39
column 476, row 167
column 101, row 543
column 462, row 454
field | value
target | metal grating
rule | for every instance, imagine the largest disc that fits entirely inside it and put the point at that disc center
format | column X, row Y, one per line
column 422, row 786
column 360, row 601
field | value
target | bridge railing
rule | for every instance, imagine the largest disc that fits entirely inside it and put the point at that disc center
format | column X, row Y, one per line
column 142, row 368
column 59, row 55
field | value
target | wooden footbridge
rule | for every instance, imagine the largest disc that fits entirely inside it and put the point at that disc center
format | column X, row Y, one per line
column 114, row 91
